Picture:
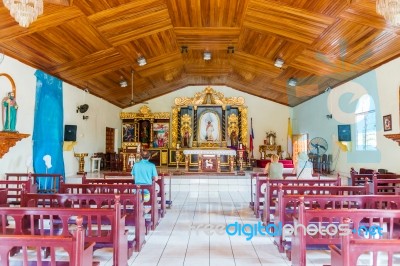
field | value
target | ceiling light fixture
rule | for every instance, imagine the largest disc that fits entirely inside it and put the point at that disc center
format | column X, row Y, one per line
column 207, row 55
column 24, row 11
column 390, row 10
column 141, row 61
column 279, row 63
column 123, row 83
column 292, row 82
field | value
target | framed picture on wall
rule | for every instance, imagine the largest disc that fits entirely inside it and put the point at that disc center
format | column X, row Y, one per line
column 387, row 122
column 127, row 132
column 209, row 127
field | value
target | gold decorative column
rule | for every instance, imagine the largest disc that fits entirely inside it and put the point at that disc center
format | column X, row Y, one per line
column 243, row 125
column 151, row 133
column 187, row 162
column 218, row 163
column 174, row 129
column 123, row 161
column 231, row 163
column 200, row 157
column 240, row 158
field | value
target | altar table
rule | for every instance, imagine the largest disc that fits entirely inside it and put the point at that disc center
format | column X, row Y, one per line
column 209, row 160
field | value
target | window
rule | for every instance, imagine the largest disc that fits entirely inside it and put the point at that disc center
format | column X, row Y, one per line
column 365, row 124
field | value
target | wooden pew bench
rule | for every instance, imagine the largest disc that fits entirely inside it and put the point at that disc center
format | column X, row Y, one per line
column 351, row 249
column 131, row 209
column 386, row 185
column 57, row 222
column 287, row 206
column 15, row 188
column 116, row 189
column 45, row 183
column 359, row 218
column 262, row 180
column 120, row 177
column 359, row 179
column 79, row 252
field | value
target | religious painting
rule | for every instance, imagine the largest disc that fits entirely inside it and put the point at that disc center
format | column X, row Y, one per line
column 387, row 122
column 144, row 131
column 209, row 127
column 160, row 135
column 127, row 132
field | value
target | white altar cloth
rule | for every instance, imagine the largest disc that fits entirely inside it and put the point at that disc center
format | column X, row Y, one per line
column 211, row 152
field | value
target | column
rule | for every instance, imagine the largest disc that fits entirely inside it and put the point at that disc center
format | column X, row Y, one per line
column 194, row 144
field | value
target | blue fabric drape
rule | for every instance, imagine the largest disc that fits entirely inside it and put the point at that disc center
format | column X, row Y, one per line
column 48, row 129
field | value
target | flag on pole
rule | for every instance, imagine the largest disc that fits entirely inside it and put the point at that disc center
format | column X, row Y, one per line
column 289, row 139
column 251, row 138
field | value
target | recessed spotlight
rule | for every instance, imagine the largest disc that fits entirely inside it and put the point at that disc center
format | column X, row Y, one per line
column 207, row 55
column 292, row 82
column 141, row 61
column 279, row 62
column 123, row 83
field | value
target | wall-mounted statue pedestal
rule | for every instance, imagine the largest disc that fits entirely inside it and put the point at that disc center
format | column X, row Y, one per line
column 8, row 139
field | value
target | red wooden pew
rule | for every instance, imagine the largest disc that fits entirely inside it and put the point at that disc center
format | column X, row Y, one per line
column 79, row 252
column 261, row 180
column 351, row 249
column 57, row 221
column 359, row 217
column 385, row 184
column 115, row 189
column 288, row 200
column 131, row 209
column 16, row 186
column 126, row 178
column 45, row 183
column 287, row 206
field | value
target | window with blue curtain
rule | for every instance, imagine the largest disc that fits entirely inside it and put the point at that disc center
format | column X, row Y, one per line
column 48, row 130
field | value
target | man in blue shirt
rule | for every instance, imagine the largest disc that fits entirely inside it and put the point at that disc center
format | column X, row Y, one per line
column 144, row 172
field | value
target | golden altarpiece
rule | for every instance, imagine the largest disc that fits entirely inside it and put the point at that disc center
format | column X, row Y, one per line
column 145, row 129
column 206, row 131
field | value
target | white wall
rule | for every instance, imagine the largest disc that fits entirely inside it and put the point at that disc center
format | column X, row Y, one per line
column 383, row 85
column 267, row 115
column 91, row 132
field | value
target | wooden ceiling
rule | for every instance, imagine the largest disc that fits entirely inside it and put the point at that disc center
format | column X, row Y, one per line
column 95, row 44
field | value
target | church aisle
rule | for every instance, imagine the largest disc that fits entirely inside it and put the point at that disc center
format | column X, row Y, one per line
column 193, row 231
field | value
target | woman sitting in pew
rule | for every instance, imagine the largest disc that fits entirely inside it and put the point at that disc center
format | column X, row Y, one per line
column 274, row 168
column 304, row 168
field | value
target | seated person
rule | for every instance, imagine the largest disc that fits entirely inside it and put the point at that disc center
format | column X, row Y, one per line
column 304, row 168
column 274, row 168
column 144, row 172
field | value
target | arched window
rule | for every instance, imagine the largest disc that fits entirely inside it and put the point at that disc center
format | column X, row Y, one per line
column 365, row 124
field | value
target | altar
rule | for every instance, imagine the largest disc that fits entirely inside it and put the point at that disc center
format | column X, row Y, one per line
column 209, row 160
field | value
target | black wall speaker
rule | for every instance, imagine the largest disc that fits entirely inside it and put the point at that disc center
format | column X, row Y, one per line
column 70, row 133
column 344, row 132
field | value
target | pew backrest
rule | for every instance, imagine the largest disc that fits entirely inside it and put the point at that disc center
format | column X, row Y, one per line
column 360, row 219
column 386, row 185
column 79, row 253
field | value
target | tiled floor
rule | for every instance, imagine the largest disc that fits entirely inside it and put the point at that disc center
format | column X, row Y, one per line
column 193, row 230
